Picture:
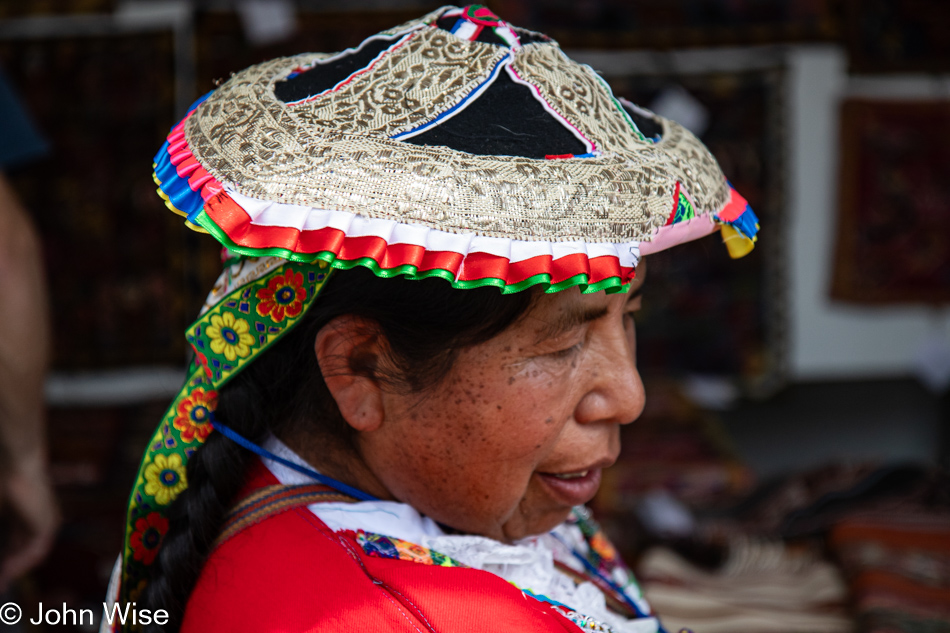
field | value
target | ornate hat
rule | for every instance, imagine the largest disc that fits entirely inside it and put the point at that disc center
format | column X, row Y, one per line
column 455, row 146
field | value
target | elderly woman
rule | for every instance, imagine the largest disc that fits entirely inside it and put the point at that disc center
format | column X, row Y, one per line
column 417, row 361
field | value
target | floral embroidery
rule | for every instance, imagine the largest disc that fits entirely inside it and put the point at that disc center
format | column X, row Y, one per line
column 376, row 545
column 440, row 559
column 224, row 339
column 165, row 478
column 604, row 548
column 147, row 537
column 390, row 547
column 283, row 296
column 230, row 336
column 203, row 363
column 136, row 592
column 414, row 552
column 193, row 414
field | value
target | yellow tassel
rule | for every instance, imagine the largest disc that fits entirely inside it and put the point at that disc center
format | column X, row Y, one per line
column 736, row 243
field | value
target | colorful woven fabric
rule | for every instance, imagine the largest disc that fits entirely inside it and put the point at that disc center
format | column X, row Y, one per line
column 606, row 568
column 602, row 554
column 682, row 208
column 271, row 500
column 391, row 547
column 898, row 568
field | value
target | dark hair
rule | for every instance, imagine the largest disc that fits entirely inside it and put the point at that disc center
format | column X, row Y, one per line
column 424, row 322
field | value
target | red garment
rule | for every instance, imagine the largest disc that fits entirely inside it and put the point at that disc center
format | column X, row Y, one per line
column 291, row 573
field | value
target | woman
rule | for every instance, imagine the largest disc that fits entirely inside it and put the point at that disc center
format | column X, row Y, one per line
column 418, row 359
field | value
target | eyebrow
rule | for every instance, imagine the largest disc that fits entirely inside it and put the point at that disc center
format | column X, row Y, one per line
column 570, row 319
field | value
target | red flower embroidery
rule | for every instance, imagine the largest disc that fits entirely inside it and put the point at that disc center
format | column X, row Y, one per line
column 147, row 537
column 202, row 360
column 194, row 415
column 283, row 296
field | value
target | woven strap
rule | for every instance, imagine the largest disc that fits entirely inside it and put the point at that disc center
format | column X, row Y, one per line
column 614, row 602
column 270, row 501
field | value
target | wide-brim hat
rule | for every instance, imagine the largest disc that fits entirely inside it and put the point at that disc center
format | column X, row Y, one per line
column 454, row 146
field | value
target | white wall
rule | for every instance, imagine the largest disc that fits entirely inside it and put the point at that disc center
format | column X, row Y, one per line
column 833, row 339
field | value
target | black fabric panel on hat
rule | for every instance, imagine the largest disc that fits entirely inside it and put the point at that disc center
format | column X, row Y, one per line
column 648, row 126
column 324, row 76
column 505, row 120
column 487, row 35
column 531, row 37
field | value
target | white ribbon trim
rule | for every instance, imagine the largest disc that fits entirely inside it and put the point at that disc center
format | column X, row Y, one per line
column 301, row 218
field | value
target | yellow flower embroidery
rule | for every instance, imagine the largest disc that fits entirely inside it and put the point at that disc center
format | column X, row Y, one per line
column 136, row 591
column 165, row 478
column 230, row 336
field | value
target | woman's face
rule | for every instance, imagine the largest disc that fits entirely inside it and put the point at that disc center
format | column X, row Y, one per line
column 518, row 431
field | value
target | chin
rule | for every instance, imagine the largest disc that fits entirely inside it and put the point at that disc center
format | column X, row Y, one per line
column 537, row 525
column 552, row 520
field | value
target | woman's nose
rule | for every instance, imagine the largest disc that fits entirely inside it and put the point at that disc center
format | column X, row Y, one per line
column 614, row 392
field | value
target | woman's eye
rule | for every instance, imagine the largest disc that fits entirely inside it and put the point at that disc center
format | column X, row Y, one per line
column 568, row 351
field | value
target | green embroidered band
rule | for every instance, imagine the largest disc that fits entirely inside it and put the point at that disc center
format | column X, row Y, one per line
column 237, row 329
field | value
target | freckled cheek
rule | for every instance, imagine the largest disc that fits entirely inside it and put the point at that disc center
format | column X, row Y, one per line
column 526, row 443
column 485, row 429
column 465, row 487
column 545, row 374
column 544, row 392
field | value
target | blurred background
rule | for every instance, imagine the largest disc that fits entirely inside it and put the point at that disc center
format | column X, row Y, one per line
column 789, row 473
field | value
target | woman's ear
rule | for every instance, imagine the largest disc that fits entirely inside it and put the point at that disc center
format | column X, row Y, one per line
column 349, row 349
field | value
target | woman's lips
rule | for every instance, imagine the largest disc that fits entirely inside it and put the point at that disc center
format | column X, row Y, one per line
column 572, row 489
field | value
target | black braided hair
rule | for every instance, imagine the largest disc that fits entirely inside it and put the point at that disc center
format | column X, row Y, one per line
column 425, row 323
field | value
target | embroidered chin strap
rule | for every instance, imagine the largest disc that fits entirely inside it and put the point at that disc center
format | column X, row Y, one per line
column 249, row 318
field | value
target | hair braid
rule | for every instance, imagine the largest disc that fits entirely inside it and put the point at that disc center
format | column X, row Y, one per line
column 215, row 476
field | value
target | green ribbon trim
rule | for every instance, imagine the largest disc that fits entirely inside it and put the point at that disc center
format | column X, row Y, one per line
column 611, row 285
